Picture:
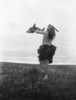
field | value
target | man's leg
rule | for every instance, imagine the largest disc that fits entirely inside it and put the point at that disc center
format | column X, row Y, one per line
column 44, row 67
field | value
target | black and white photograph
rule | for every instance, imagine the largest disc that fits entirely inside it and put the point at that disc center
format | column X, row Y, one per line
column 38, row 50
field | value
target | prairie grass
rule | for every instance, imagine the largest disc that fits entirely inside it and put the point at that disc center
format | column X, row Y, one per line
column 21, row 81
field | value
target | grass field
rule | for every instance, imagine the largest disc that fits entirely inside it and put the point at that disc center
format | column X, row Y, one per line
column 25, row 82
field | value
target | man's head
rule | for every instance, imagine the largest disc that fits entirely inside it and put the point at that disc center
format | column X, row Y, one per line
column 51, row 31
column 50, row 27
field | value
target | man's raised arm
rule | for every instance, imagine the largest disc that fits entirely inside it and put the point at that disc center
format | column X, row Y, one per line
column 40, row 32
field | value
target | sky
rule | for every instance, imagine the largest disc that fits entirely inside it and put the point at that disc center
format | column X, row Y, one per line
column 18, row 15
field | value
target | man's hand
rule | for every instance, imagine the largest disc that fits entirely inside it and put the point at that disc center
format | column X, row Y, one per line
column 30, row 30
column 34, row 28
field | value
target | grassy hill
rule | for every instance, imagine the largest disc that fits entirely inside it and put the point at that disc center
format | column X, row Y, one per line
column 25, row 81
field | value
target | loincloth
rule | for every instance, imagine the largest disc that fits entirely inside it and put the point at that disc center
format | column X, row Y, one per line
column 46, row 52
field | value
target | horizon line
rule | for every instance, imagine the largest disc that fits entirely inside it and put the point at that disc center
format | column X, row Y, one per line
column 54, row 63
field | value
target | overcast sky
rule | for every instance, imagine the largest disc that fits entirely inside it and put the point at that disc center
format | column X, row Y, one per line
column 16, row 16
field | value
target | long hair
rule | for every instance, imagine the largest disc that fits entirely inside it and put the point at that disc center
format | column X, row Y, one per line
column 51, row 32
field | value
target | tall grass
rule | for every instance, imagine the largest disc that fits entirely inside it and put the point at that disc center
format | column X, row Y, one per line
column 25, row 80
